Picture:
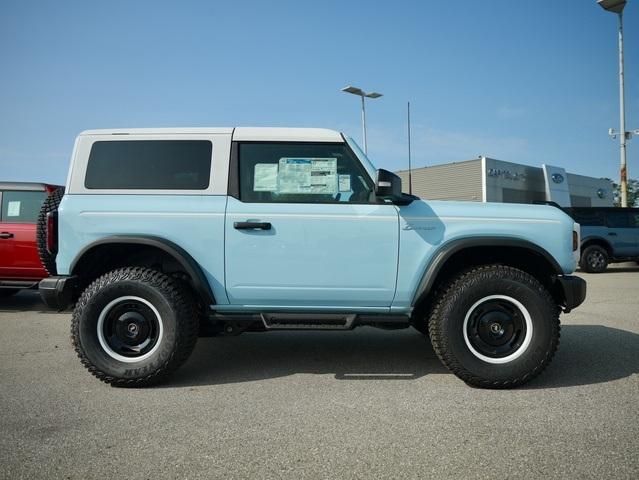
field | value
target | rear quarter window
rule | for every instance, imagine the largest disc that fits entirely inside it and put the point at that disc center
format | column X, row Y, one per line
column 149, row 165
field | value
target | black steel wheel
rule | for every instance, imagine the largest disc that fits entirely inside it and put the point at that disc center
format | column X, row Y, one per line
column 129, row 327
column 594, row 259
column 496, row 327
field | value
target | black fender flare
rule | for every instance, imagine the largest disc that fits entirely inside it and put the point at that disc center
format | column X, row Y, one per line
column 447, row 250
column 191, row 267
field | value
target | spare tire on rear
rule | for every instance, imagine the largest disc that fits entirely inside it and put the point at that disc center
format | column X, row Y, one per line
column 51, row 204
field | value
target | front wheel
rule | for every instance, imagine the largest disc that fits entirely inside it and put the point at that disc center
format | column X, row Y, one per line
column 495, row 327
column 134, row 326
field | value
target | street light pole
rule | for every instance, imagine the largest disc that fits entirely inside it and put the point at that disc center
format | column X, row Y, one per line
column 617, row 6
column 363, row 95
column 622, row 119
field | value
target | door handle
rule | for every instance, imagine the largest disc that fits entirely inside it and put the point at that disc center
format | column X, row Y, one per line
column 252, row 225
column 612, row 234
column 6, row 235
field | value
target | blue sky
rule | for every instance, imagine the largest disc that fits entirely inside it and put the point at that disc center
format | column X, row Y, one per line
column 530, row 82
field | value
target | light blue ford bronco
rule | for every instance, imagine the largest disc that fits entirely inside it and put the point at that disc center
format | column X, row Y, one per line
column 166, row 234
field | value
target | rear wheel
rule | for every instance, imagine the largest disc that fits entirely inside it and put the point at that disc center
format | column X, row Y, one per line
column 594, row 259
column 134, row 326
column 495, row 327
column 50, row 205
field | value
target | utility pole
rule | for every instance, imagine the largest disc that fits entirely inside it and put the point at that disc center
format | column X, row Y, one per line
column 617, row 6
column 622, row 119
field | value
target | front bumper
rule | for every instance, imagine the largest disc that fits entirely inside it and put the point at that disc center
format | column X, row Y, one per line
column 574, row 291
column 59, row 292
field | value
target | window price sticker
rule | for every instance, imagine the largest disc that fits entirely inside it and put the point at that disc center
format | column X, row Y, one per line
column 265, row 177
column 307, row 175
column 344, row 183
column 13, row 209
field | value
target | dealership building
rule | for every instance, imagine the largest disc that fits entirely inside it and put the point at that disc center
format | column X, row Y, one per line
column 489, row 180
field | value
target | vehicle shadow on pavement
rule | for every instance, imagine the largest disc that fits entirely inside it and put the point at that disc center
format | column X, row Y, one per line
column 25, row 301
column 615, row 270
column 623, row 267
column 365, row 354
column 588, row 354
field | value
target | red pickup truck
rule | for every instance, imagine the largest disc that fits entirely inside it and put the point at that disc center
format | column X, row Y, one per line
column 20, row 264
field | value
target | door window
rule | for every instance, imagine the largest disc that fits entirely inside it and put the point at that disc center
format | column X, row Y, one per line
column 302, row 173
column 21, row 207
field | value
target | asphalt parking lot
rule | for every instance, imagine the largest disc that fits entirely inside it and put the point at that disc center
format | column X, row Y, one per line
column 361, row 404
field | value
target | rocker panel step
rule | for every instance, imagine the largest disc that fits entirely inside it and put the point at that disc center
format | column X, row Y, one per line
column 19, row 284
column 308, row 321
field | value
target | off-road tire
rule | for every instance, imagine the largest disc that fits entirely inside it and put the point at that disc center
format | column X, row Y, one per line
column 51, row 204
column 176, row 306
column 446, row 326
column 594, row 259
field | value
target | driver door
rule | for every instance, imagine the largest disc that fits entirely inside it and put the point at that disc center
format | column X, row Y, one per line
column 305, row 230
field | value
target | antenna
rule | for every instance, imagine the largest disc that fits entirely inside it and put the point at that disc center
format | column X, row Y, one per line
column 410, row 178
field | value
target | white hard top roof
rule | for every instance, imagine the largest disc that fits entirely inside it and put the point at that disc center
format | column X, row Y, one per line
column 286, row 134
column 239, row 133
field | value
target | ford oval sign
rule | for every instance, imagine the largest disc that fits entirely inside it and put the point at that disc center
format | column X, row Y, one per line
column 557, row 177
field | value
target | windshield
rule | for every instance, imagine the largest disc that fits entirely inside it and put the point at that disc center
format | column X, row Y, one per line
column 370, row 168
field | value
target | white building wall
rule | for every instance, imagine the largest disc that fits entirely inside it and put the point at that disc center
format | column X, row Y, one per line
column 599, row 190
column 451, row 181
column 513, row 182
column 492, row 180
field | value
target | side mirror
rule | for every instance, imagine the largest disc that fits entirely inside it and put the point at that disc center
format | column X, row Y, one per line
column 388, row 185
